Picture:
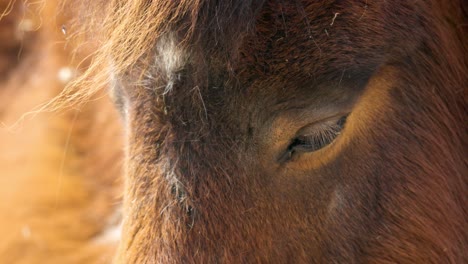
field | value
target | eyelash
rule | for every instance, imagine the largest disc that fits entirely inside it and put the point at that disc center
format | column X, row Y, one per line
column 322, row 137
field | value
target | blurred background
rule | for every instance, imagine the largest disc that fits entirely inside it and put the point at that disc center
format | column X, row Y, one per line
column 60, row 171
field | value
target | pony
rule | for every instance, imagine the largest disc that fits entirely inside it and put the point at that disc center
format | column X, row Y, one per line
column 290, row 131
column 300, row 131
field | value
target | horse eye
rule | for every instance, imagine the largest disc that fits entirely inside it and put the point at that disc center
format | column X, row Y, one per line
column 318, row 137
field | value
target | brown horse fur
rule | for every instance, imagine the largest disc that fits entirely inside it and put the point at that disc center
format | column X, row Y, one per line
column 59, row 181
column 213, row 92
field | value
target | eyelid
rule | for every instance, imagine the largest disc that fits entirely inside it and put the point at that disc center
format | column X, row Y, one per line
column 315, row 133
column 312, row 129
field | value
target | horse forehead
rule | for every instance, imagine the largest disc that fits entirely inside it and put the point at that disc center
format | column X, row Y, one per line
column 171, row 57
column 283, row 49
column 273, row 38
